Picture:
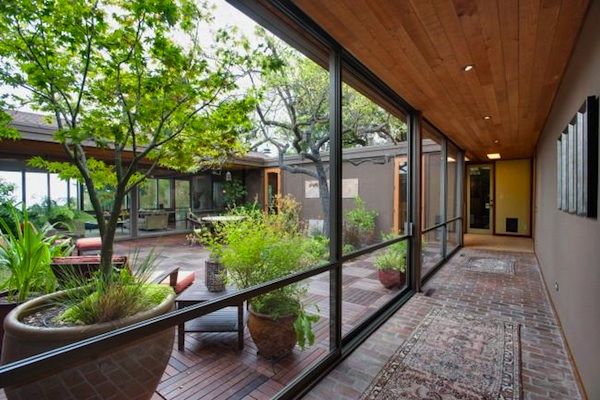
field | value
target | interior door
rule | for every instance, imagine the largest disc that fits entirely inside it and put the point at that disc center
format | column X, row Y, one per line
column 480, row 200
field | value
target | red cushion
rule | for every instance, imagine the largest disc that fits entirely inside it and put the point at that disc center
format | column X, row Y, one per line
column 92, row 243
column 184, row 279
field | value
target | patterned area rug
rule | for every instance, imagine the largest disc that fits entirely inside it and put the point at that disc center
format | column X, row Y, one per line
column 494, row 265
column 452, row 355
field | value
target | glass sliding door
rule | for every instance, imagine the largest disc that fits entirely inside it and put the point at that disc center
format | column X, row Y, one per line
column 432, row 199
column 374, row 199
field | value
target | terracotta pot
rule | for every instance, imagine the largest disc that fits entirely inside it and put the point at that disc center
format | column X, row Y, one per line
column 213, row 276
column 390, row 278
column 273, row 338
column 130, row 372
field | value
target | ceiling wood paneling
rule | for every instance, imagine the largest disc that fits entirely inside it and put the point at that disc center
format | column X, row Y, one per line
column 419, row 48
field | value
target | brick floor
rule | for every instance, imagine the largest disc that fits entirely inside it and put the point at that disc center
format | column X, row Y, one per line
column 546, row 370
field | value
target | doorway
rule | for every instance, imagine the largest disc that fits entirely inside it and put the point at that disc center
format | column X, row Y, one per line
column 272, row 187
column 480, row 198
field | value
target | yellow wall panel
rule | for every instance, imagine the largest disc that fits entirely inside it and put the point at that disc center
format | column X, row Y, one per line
column 513, row 195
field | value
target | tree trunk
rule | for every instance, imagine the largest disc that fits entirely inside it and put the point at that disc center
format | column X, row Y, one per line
column 324, row 195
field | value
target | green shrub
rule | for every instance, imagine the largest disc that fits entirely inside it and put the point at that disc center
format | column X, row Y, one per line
column 234, row 193
column 25, row 257
column 59, row 216
column 394, row 256
column 359, row 224
column 264, row 247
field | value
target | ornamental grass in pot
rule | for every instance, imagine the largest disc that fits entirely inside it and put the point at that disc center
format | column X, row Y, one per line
column 391, row 264
column 261, row 248
column 84, row 310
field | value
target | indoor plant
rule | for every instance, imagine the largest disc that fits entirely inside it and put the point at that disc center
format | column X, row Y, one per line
column 391, row 264
column 258, row 250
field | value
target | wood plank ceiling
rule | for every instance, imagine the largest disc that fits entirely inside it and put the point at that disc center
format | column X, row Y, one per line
column 519, row 49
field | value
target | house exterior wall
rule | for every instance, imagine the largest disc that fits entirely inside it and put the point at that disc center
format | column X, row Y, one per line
column 567, row 245
column 375, row 187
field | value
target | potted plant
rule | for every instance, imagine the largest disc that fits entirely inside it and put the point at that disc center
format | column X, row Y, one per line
column 25, row 255
column 87, row 309
column 214, row 272
column 359, row 225
column 391, row 265
column 257, row 250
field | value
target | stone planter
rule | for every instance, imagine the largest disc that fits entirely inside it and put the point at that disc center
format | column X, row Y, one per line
column 391, row 278
column 214, row 276
column 273, row 338
column 130, row 372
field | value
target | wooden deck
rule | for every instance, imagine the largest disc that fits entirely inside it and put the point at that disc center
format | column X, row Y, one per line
column 212, row 367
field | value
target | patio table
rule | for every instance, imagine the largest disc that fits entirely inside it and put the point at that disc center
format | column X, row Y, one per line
column 223, row 218
column 228, row 319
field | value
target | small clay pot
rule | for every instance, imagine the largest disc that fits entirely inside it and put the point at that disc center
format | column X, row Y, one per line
column 274, row 338
column 391, row 278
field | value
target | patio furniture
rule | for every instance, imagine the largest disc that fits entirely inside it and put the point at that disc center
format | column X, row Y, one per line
column 88, row 244
column 223, row 218
column 228, row 319
column 154, row 221
column 192, row 220
column 178, row 280
column 67, row 268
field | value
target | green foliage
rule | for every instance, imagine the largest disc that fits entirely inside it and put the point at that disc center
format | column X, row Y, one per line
column 58, row 216
column 6, row 208
column 125, row 294
column 6, row 192
column 234, row 192
column 26, row 254
column 6, row 132
column 348, row 248
column 128, row 76
column 394, row 256
column 359, row 225
column 316, row 249
column 360, row 217
column 264, row 247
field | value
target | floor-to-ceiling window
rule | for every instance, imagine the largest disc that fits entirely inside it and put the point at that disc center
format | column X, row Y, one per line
column 374, row 203
column 441, row 176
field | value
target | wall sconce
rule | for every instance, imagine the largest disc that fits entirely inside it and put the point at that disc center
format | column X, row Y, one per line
column 228, row 176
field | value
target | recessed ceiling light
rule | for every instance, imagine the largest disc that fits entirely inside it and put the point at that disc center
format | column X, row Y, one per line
column 468, row 67
column 451, row 159
column 496, row 141
column 494, row 156
column 486, row 117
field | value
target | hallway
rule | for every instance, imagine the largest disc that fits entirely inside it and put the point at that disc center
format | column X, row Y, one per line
column 546, row 372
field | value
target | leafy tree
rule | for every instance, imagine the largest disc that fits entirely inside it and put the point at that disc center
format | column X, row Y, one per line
column 135, row 78
column 293, row 114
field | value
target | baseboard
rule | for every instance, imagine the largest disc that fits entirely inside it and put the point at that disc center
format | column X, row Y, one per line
column 580, row 384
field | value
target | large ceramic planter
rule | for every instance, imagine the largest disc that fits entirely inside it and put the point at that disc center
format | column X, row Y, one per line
column 130, row 372
column 391, row 278
column 274, row 338
column 5, row 308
